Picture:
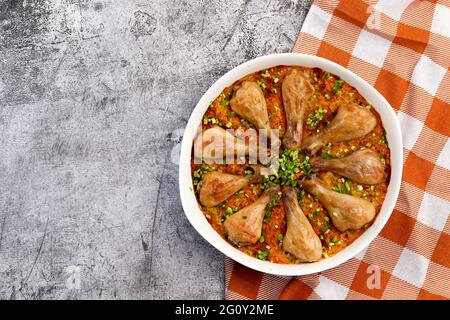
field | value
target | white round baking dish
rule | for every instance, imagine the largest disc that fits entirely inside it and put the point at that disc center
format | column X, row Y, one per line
column 393, row 135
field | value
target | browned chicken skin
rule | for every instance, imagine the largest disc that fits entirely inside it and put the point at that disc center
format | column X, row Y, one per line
column 362, row 166
column 248, row 102
column 351, row 122
column 346, row 212
column 216, row 187
column 244, row 227
column 300, row 239
column 296, row 90
column 216, row 143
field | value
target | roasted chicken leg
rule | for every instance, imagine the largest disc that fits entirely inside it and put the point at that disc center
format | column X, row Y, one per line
column 248, row 102
column 346, row 211
column 296, row 90
column 216, row 144
column 300, row 239
column 362, row 166
column 215, row 187
column 244, row 227
column 351, row 122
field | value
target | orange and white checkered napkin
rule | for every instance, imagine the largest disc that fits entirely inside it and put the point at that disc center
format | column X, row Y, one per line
column 402, row 48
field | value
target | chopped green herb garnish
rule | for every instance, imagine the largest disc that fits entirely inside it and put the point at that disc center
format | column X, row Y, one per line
column 261, row 239
column 345, row 188
column 327, row 96
column 301, row 196
column 292, row 163
column 231, row 115
column 325, row 155
column 340, row 188
column 280, row 237
column 262, row 255
column 229, row 211
column 326, row 75
column 269, row 181
column 229, row 125
column 226, row 100
column 337, row 85
column 315, row 117
column 261, row 84
column 265, row 74
column 207, row 120
column 200, row 172
column 347, row 185
column 326, row 229
column 273, row 202
column 248, row 172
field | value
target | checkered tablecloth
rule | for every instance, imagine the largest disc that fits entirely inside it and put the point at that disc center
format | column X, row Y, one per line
column 402, row 48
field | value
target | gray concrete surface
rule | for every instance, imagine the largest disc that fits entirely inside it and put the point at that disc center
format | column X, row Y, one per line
column 90, row 94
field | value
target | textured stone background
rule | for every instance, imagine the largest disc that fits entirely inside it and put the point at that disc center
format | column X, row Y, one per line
column 90, row 95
